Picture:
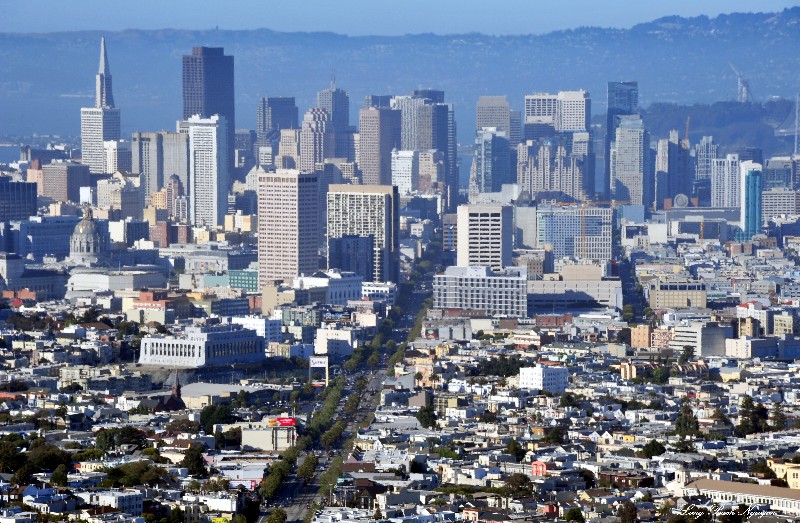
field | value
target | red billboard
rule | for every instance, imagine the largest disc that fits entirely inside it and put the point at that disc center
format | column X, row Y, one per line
column 282, row 422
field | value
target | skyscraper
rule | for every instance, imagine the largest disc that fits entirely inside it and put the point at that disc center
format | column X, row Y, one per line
column 493, row 111
column 485, row 235
column 157, row 156
column 337, row 103
column 408, row 107
column 573, row 111
column 379, row 133
column 750, row 215
column 405, row 171
column 100, row 123
column 272, row 115
column 704, row 152
column 288, row 225
column 209, row 174
column 623, row 99
column 726, row 182
column 673, row 174
column 492, row 162
column 208, row 89
column 316, row 139
column 368, row 211
column 630, row 176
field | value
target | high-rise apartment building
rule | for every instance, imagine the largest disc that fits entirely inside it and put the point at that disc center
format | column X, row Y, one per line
column 208, row 90
column 491, row 165
column 750, row 215
column 630, row 176
column 368, row 211
column 209, row 175
column 379, row 133
column 405, row 171
column 573, row 111
column 316, row 138
column 726, row 182
column 623, row 99
column 485, row 236
column 100, row 123
column 575, row 231
column 288, row 225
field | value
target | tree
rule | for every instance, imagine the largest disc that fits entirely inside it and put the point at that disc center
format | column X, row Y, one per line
column 215, row 415
column 373, row 360
column 193, row 461
column 277, row 516
column 653, row 448
column 515, row 449
column 574, row 514
column 686, row 355
column 627, row 512
column 686, row 424
column 23, row 474
column 568, row 399
column 779, row 421
column 59, row 476
column 377, row 515
column 427, row 416
column 10, row 457
column 518, row 484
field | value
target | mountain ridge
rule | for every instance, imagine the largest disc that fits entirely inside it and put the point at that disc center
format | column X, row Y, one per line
column 675, row 59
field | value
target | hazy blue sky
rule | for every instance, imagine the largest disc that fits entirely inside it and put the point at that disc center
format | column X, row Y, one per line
column 357, row 17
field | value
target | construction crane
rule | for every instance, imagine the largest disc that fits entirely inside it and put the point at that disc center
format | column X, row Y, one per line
column 743, row 86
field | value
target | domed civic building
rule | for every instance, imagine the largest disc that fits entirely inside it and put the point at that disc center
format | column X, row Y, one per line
column 86, row 245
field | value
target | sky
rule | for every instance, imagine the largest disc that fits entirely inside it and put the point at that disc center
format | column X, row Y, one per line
column 357, row 17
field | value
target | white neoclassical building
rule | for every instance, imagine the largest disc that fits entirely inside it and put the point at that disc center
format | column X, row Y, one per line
column 199, row 346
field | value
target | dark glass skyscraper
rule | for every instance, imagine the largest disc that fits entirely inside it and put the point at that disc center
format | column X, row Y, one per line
column 273, row 114
column 208, row 88
column 623, row 99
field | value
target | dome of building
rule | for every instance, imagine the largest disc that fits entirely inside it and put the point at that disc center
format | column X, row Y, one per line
column 86, row 242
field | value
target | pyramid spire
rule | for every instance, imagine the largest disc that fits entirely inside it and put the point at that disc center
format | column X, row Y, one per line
column 104, row 97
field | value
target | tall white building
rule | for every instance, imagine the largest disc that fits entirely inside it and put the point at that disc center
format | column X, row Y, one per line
column 541, row 108
column 368, row 211
column 405, row 171
column 209, row 178
column 288, row 225
column 553, row 379
column 726, row 182
column 100, row 123
column 574, row 111
column 118, row 156
column 503, row 293
column 705, row 152
column 200, row 346
column 485, row 235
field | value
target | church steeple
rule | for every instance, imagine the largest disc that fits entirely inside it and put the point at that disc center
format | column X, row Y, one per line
column 104, row 97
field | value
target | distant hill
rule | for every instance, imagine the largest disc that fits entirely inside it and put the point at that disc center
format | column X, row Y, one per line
column 48, row 77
